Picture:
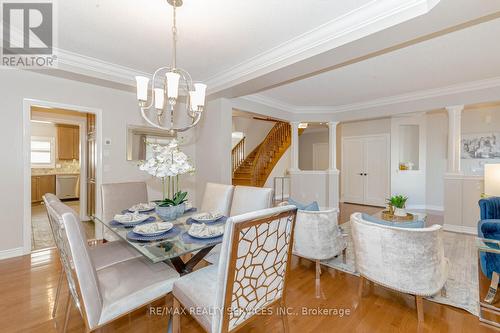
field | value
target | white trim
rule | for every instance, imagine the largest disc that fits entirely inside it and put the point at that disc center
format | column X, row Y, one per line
column 459, row 88
column 10, row 253
column 27, row 104
column 361, row 22
column 460, row 229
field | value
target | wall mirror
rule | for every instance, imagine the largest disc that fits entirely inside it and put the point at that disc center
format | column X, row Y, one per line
column 138, row 138
column 409, row 147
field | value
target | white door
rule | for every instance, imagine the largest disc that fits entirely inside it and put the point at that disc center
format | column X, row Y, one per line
column 376, row 172
column 320, row 156
column 352, row 170
column 366, row 170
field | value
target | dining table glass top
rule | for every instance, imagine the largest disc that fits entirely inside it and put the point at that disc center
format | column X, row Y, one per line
column 178, row 244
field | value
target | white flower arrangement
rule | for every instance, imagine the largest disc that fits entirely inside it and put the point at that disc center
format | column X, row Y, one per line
column 167, row 161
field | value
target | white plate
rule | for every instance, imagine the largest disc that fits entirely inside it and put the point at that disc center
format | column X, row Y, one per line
column 142, row 207
column 137, row 218
column 153, row 229
column 207, row 217
column 203, row 231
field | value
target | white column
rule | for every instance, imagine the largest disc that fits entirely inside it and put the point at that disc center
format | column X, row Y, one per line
column 295, row 146
column 332, row 143
column 454, row 138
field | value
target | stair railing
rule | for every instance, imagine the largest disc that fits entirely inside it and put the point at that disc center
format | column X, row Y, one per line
column 238, row 154
column 274, row 140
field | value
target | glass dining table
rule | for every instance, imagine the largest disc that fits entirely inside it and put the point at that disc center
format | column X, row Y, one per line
column 171, row 249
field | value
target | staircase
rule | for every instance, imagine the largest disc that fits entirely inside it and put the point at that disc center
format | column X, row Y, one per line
column 256, row 167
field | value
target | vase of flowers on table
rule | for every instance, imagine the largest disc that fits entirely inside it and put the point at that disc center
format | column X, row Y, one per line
column 168, row 162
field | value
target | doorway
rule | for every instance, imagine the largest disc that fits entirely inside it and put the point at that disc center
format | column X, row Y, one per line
column 60, row 157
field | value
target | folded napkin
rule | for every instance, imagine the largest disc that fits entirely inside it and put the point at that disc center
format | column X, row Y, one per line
column 203, row 230
column 143, row 206
column 127, row 217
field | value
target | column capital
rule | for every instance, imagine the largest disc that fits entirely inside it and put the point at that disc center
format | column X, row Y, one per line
column 295, row 123
column 333, row 123
column 455, row 108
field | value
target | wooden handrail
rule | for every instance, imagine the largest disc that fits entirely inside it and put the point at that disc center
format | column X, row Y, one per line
column 238, row 154
column 276, row 137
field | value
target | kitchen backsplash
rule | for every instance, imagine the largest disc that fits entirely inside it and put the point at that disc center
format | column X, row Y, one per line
column 61, row 167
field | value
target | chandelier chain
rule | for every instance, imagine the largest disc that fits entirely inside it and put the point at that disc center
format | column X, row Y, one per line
column 174, row 39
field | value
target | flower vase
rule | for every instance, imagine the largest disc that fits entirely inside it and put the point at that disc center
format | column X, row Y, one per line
column 170, row 213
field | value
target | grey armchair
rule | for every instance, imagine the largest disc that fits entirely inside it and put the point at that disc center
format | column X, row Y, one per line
column 407, row 260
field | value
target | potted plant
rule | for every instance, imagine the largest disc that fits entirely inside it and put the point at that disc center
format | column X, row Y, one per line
column 397, row 204
column 168, row 162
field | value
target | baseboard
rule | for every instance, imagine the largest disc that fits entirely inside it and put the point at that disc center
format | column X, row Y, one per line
column 460, row 229
column 10, row 253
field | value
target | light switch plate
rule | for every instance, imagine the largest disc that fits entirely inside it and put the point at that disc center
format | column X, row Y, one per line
column 107, row 142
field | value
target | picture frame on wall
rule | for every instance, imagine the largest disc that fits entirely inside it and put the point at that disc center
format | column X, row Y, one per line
column 481, row 146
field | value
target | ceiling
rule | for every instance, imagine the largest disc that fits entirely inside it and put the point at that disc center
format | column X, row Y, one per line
column 462, row 56
column 213, row 35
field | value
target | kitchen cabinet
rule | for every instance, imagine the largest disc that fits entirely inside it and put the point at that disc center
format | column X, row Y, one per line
column 68, row 142
column 41, row 185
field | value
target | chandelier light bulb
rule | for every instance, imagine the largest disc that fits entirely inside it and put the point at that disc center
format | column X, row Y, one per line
column 142, row 88
column 198, row 96
column 172, row 86
column 159, row 98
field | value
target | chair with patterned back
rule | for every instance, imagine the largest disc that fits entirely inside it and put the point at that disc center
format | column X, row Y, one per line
column 96, row 293
column 250, row 277
column 245, row 199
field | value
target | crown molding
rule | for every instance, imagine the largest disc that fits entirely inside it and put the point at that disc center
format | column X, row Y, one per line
column 363, row 21
column 403, row 98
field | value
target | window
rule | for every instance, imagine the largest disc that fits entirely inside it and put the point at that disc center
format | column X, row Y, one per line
column 42, row 152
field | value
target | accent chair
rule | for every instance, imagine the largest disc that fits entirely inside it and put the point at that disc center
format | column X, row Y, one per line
column 318, row 237
column 407, row 260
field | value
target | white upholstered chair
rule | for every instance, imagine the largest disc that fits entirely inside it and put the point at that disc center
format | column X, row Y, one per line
column 251, row 275
column 103, row 254
column 217, row 197
column 119, row 196
column 249, row 199
column 407, row 260
column 245, row 199
column 106, row 294
column 318, row 237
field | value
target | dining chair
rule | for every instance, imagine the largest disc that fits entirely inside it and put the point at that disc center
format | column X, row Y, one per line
column 103, row 254
column 250, row 277
column 408, row 260
column 217, row 197
column 111, row 292
column 318, row 237
column 116, row 197
column 245, row 199
column 249, row 199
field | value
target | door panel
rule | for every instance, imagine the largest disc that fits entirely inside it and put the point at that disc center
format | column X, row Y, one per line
column 352, row 167
column 91, row 165
column 377, row 171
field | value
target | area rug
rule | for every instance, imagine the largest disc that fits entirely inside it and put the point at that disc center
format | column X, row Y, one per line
column 462, row 284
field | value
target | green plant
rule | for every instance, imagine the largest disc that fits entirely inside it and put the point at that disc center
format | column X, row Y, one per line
column 397, row 201
column 178, row 199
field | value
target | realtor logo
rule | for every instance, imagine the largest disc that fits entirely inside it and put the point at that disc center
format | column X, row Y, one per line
column 28, row 34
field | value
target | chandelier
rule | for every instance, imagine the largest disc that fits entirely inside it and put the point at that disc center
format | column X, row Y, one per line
column 166, row 82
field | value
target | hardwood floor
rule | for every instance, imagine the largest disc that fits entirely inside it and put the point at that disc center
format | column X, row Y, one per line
column 28, row 284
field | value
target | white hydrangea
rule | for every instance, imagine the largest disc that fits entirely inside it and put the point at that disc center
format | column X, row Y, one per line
column 167, row 161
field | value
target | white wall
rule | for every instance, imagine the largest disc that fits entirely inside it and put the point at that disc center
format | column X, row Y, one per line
column 306, row 141
column 280, row 170
column 213, row 146
column 119, row 108
column 255, row 131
